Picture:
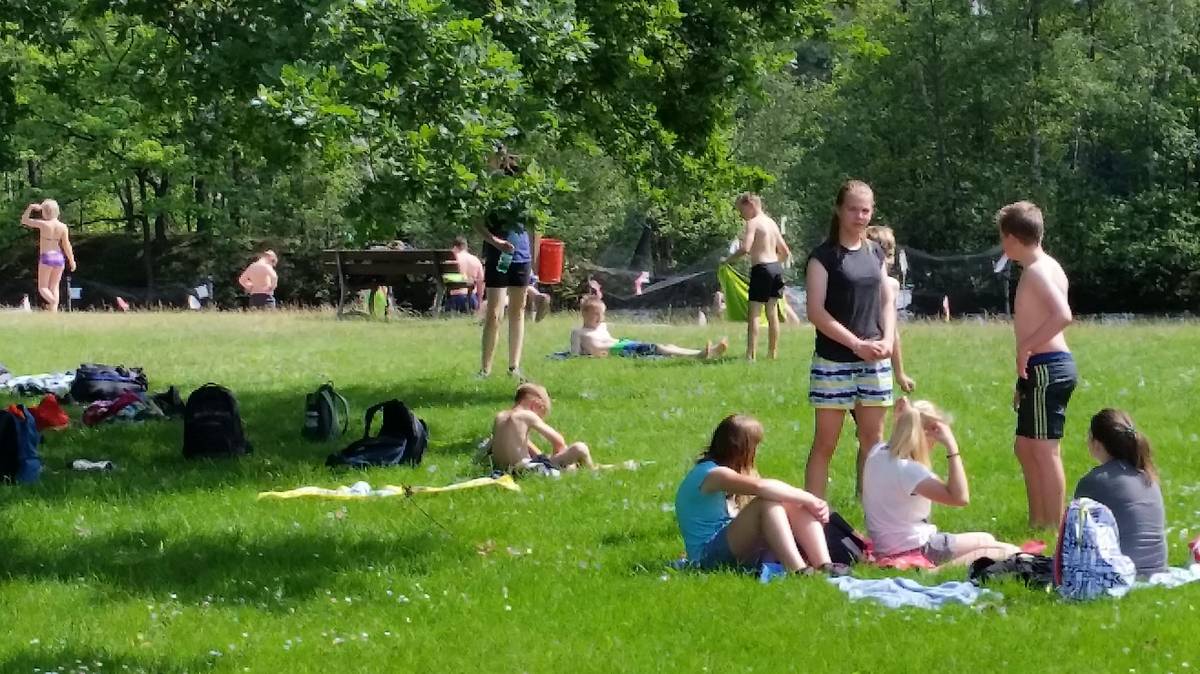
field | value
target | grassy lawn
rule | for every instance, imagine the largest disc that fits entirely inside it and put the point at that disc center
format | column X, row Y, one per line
column 171, row 566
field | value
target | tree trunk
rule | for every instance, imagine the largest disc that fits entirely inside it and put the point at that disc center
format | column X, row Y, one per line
column 200, row 191
column 125, row 196
column 33, row 172
column 161, row 189
column 147, row 241
column 1035, row 135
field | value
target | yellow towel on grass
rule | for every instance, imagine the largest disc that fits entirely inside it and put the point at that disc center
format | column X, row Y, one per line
column 361, row 490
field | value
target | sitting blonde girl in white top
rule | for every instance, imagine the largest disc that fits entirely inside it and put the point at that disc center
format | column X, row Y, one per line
column 899, row 489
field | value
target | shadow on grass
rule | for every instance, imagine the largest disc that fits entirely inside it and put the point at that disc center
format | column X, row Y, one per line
column 72, row 659
column 150, row 460
column 227, row 568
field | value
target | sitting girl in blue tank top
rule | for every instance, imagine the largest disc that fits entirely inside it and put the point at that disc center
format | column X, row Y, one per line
column 770, row 521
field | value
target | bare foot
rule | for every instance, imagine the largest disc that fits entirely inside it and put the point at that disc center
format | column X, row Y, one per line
column 711, row 352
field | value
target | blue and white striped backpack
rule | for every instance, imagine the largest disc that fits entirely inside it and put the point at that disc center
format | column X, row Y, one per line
column 1089, row 562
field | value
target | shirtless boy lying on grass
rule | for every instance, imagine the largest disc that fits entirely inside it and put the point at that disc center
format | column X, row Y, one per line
column 512, row 449
column 593, row 339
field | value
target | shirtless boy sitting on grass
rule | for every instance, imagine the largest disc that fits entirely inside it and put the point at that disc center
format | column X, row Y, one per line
column 593, row 339
column 512, row 449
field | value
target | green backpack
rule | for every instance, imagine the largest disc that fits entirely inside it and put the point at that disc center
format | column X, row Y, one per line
column 322, row 420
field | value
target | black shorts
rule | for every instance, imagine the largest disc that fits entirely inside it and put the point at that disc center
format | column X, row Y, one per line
column 1043, row 395
column 262, row 301
column 517, row 276
column 766, row 282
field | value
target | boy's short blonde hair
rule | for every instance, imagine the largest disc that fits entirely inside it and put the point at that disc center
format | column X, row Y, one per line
column 886, row 238
column 748, row 198
column 532, row 392
column 591, row 303
column 1022, row 220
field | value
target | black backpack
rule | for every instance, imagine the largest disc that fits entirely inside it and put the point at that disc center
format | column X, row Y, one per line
column 321, row 418
column 212, row 424
column 846, row 546
column 402, row 439
column 106, row 382
column 1036, row 571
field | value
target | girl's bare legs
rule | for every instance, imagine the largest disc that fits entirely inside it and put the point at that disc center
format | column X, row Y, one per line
column 48, row 282
column 825, row 438
column 516, row 327
column 491, row 327
column 809, row 535
column 971, row 546
column 870, row 433
column 763, row 520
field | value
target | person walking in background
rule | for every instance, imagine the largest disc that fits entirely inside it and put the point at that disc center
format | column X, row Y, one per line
column 54, row 249
column 259, row 280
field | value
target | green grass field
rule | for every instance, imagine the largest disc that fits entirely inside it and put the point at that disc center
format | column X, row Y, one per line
column 171, row 566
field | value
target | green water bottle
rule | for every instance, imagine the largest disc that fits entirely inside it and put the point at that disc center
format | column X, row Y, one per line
column 505, row 259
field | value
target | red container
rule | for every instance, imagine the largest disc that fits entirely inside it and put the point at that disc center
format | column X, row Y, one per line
column 550, row 261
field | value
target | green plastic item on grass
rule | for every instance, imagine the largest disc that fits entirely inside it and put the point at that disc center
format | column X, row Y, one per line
column 737, row 295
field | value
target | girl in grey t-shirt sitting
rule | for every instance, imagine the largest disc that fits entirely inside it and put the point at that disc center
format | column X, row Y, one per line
column 1127, row 483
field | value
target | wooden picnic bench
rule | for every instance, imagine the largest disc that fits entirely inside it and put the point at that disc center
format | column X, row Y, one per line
column 369, row 269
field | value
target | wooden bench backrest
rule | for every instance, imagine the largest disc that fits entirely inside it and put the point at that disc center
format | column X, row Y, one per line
column 391, row 262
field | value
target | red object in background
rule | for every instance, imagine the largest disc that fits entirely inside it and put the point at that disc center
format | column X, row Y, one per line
column 550, row 261
column 49, row 415
column 1194, row 546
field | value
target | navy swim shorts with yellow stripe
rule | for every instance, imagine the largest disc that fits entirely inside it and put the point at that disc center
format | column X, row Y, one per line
column 1043, row 395
column 841, row 386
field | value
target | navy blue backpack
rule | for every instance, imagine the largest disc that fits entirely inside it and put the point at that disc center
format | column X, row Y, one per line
column 19, row 440
column 402, row 439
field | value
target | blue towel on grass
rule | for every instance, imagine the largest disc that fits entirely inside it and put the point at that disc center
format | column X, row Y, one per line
column 900, row 592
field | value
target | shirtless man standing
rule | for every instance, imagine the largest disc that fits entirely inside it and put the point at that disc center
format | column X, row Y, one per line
column 1046, row 373
column 513, row 451
column 764, row 243
column 259, row 280
column 55, row 250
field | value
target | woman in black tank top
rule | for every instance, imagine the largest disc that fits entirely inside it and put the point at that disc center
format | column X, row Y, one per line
column 850, row 306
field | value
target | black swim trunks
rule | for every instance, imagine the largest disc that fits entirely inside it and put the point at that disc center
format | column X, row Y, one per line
column 766, row 282
column 1044, row 394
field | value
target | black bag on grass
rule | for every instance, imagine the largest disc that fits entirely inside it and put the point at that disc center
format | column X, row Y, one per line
column 322, row 419
column 212, row 424
column 106, row 382
column 19, row 440
column 846, row 546
column 402, row 439
column 1036, row 571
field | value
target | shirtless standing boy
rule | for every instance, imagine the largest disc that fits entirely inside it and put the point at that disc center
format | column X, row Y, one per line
column 1046, row 373
column 764, row 243
column 260, row 279
column 54, row 248
column 511, row 448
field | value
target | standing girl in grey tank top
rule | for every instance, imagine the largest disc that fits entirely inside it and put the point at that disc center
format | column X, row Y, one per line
column 852, row 310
